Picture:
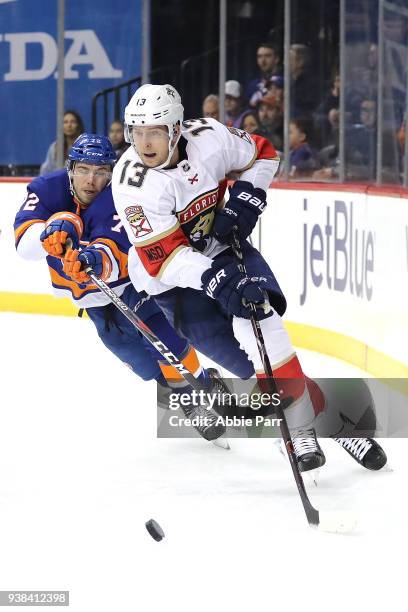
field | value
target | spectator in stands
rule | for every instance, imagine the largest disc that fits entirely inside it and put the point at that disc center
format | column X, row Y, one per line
column 303, row 160
column 304, row 89
column 73, row 127
column 362, row 79
column 234, row 104
column 275, row 88
column 269, row 64
column 361, row 141
column 270, row 115
column 250, row 122
column 327, row 114
column 329, row 161
column 211, row 106
column 117, row 137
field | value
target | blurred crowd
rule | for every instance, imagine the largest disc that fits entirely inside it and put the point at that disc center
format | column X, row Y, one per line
column 73, row 126
column 257, row 106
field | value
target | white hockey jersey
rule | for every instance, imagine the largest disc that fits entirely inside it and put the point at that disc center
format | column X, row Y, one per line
column 168, row 213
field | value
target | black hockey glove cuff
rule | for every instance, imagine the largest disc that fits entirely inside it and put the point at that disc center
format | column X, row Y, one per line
column 225, row 283
column 242, row 210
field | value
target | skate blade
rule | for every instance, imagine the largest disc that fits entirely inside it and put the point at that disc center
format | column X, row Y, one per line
column 221, row 443
column 312, row 476
column 277, row 444
column 337, row 522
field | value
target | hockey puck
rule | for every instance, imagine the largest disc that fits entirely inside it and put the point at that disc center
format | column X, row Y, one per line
column 155, row 530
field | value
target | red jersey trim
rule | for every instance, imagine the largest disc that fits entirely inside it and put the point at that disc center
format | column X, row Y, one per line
column 265, row 149
column 156, row 255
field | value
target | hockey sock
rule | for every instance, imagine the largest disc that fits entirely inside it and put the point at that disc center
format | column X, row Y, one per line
column 190, row 361
column 287, row 371
column 181, row 348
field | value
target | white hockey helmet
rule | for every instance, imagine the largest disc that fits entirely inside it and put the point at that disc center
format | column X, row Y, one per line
column 155, row 105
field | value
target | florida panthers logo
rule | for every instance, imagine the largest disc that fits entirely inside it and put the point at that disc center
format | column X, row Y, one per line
column 202, row 227
column 138, row 221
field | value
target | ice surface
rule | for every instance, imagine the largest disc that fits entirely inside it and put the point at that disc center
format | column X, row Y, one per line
column 81, row 471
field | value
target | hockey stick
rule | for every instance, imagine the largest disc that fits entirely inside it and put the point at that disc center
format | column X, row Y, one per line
column 328, row 522
column 151, row 337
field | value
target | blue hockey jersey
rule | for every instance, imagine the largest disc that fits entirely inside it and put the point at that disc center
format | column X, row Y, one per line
column 49, row 194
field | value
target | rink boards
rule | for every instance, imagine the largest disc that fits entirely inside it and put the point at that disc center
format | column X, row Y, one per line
column 340, row 254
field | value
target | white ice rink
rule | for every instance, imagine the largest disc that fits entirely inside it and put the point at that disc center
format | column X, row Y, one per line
column 81, row 471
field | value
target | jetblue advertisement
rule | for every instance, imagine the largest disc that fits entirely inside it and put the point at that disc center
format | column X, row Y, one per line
column 345, row 250
column 102, row 48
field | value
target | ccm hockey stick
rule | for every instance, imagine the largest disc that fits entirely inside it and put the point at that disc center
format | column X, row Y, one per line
column 327, row 521
column 164, row 351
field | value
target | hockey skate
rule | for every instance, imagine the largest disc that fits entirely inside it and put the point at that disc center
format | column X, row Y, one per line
column 308, row 452
column 208, row 424
column 163, row 396
column 366, row 451
column 227, row 405
column 219, row 387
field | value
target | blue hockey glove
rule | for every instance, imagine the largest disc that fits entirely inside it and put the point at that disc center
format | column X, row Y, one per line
column 242, row 210
column 233, row 290
column 76, row 262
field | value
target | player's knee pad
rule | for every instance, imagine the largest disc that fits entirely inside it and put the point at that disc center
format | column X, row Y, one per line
column 277, row 342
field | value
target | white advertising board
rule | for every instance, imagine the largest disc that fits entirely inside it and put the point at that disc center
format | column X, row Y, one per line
column 341, row 258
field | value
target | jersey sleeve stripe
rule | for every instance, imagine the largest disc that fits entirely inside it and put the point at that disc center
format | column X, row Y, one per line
column 65, row 283
column 251, row 163
column 170, row 258
column 119, row 256
column 157, row 254
column 265, row 149
column 19, row 231
column 158, row 237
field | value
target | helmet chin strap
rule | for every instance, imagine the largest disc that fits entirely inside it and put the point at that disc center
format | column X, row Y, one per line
column 172, row 148
column 72, row 189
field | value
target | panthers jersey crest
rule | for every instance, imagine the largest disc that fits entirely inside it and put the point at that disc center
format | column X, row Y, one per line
column 197, row 219
column 138, row 221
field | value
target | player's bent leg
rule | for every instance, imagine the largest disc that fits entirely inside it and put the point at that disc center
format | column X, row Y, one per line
column 301, row 413
column 124, row 341
column 201, row 320
column 122, row 338
column 366, row 451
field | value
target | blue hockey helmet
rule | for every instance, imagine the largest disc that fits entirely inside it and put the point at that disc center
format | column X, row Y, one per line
column 92, row 149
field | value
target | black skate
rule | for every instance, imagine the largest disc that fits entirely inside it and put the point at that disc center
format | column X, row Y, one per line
column 227, row 406
column 163, row 396
column 209, row 424
column 366, row 451
column 309, row 455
